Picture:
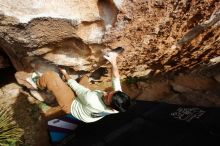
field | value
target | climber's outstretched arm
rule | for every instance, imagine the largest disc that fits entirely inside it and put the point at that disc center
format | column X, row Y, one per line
column 112, row 58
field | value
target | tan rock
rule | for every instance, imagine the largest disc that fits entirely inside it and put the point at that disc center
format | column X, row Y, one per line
column 76, row 10
column 60, row 31
column 21, row 79
column 215, row 60
column 1, row 93
column 9, row 92
column 91, row 33
column 154, row 91
column 194, row 82
column 119, row 4
column 217, row 77
column 180, row 88
column 132, row 90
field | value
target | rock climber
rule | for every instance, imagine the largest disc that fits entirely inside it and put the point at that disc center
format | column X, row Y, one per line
column 83, row 103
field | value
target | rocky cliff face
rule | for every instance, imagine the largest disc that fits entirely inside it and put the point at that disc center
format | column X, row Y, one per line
column 161, row 38
column 67, row 33
column 158, row 36
column 167, row 36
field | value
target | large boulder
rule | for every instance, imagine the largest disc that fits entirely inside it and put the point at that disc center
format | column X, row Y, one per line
column 67, row 33
column 159, row 37
column 167, row 37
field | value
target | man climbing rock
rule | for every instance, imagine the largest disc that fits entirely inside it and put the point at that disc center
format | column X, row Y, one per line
column 83, row 103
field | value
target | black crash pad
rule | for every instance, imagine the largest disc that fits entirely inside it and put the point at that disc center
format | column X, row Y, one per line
column 152, row 124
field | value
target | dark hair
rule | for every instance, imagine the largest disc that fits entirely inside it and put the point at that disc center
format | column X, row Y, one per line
column 120, row 101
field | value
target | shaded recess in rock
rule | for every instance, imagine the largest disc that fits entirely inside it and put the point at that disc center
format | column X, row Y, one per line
column 108, row 12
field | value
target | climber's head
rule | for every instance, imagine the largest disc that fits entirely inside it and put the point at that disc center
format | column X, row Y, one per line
column 118, row 100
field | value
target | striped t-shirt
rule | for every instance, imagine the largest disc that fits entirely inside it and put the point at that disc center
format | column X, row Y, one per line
column 88, row 105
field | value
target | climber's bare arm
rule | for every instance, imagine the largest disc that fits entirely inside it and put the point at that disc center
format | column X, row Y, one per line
column 66, row 75
column 76, row 87
column 112, row 58
column 115, row 72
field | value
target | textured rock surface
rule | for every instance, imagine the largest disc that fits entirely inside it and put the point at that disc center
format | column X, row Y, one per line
column 76, row 10
column 159, row 37
column 10, row 91
column 67, row 33
column 4, row 60
column 166, row 36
